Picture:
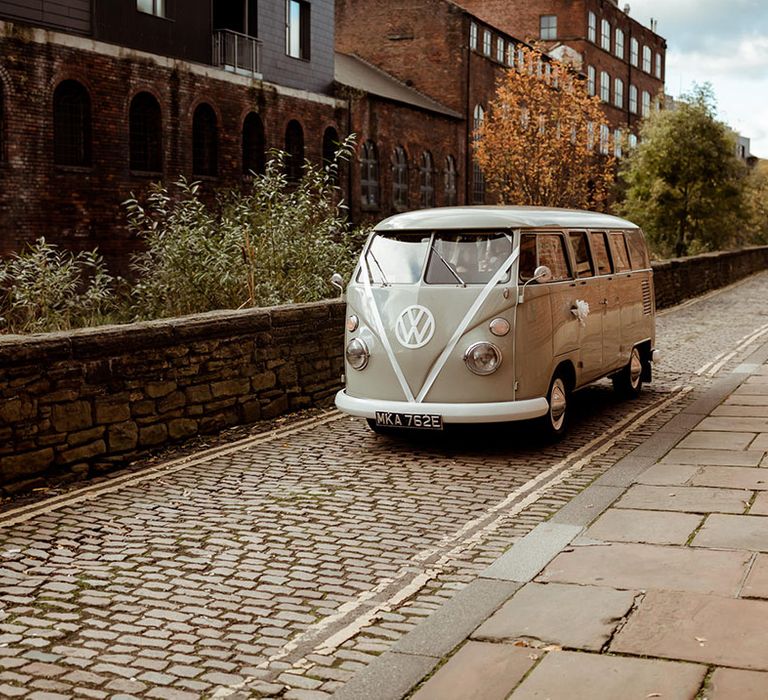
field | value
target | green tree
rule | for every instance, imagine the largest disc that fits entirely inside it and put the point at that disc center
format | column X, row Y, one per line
column 684, row 183
column 757, row 202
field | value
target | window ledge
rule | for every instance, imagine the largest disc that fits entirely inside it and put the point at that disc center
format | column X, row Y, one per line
column 148, row 174
column 73, row 168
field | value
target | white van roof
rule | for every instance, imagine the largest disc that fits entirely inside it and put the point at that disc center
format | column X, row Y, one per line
column 500, row 217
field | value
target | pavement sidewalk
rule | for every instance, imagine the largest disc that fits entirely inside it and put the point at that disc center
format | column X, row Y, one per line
column 652, row 583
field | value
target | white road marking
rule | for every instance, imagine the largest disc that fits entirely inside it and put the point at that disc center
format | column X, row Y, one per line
column 745, row 343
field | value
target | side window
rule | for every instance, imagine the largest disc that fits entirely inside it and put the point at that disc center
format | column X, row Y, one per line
column 543, row 249
column 600, row 252
column 580, row 251
column 638, row 253
column 619, row 252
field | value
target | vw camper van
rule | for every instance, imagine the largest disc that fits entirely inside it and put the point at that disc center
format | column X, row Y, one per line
column 492, row 313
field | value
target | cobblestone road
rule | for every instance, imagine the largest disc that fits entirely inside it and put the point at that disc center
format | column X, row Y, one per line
column 282, row 565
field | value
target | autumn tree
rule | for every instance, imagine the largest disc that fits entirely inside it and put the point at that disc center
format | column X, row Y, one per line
column 545, row 141
column 757, row 203
column 684, row 183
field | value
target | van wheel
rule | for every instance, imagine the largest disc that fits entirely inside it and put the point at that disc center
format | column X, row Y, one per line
column 555, row 422
column 629, row 381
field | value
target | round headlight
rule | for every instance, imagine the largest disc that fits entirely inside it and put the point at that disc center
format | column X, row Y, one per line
column 357, row 354
column 482, row 358
column 499, row 326
column 352, row 323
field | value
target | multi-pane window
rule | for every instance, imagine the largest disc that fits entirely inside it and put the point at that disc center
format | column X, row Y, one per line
column 646, row 103
column 145, row 134
column 605, row 86
column 510, row 54
column 605, row 35
column 478, row 179
column 500, row 49
column 647, row 59
column 657, row 70
column 399, row 178
column 617, row 143
column 451, row 189
column 591, row 80
column 297, row 28
column 254, row 160
column 294, row 148
column 618, row 93
column 369, row 176
column 633, row 99
column 618, row 43
column 590, row 135
column 205, row 141
column 634, row 52
column 632, row 141
column 151, row 7
column 427, row 180
column 592, row 27
column 71, row 124
column 548, row 27
column 520, row 59
column 472, row 36
column 605, row 138
column 486, row 42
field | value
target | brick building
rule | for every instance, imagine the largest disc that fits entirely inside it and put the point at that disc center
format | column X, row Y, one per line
column 622, row 60
column 438, row 49
column 97, row 100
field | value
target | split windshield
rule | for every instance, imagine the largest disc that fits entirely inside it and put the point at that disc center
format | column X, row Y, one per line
column 441, row 257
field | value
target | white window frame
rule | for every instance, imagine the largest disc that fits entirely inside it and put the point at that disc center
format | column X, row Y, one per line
column 499, row 49
column 618, row 93
column 633, row 99
column 487, row 38
column 647, row 59
column 548, row 29
column 646, row 96
column 605, row 34
column 605, row 139
column 605, row 86
column 591, row 81
column 151, row 7
column 511, row 54
column 632, row 141
column 617, row 145
column 618, row 43
column 592, row 27
column 473, row 36
column 634, row 52
column 657, row 68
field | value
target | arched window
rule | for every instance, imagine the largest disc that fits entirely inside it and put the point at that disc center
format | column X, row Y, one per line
column 427, row 180
column 254, row 159
column 369, row 176
column 399, row 178
column 450, row 181
column 71, row 124
column 205, row 141
column 294, row 147
column 145, row 134
column 330, row 146
column 478, row 179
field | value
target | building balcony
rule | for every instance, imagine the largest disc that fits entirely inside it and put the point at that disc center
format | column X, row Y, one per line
column 237, row 53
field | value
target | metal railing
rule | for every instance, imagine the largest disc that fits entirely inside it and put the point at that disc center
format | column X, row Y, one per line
column 236, row 52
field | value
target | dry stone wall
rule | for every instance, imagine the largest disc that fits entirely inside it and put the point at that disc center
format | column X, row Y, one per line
column 72, row 403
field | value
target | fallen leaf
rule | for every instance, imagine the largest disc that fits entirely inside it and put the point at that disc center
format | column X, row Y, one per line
column 552, row 647
column 533, row 657
column 653, row 695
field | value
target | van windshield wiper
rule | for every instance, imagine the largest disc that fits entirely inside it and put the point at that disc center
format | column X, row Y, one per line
column 384, row 280
column 448, row 265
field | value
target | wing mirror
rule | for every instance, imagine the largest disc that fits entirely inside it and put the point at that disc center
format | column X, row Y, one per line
column 542, row 274
column 338, row 281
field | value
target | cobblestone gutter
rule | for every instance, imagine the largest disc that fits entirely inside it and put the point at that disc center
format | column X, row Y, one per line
column 90, row 399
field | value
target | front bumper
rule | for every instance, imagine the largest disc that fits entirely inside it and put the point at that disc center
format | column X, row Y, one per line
column 497, row 412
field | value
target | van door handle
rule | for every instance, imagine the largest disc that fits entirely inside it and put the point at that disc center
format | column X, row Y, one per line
column 604, row 302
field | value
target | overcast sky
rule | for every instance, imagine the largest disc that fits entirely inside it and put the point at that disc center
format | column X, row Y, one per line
column 723, row 42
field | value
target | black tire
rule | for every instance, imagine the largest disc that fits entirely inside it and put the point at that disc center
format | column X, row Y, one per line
column 629, row 382
column 554, row 424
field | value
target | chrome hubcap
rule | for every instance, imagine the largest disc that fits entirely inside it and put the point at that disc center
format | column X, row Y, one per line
column 635, row 368
column 557, row 404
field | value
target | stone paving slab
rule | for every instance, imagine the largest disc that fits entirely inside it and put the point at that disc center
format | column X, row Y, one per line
column 705, row 628
column 716, row 440
column 760, row 504
column 737, row 458
column 751, row 389
column 726, row 423
column 647, row 566
column 746, row 400
column 760, row 442
column 756, row 585
column 748, row 532
column 689, row 499
column 754, row 479
column 667, row 474
column 579, row 676
column 646, row 526
column 478, row 671
column 536, row 612
column 735, row 684
column 740, row 411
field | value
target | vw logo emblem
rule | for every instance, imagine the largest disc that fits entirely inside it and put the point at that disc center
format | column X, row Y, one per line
column 415, row 327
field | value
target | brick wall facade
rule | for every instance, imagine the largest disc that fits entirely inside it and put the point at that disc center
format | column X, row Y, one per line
column 79, row 207
column 92, row 399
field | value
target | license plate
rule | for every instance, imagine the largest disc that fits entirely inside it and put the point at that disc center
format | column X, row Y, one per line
column 420, row 421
